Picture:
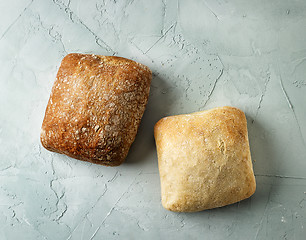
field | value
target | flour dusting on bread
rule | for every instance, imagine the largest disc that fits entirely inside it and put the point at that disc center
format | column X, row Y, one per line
column 95, row 107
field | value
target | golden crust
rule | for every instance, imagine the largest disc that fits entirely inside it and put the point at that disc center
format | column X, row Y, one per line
column 204, row 159
column 95, row 107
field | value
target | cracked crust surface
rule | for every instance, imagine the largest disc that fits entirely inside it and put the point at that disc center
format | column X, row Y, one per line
column 95, row 107
column 204, row 159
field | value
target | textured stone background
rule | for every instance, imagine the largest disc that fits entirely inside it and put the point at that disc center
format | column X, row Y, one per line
column 248, row 54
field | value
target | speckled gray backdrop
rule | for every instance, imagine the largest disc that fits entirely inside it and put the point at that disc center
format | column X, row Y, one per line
column 203, row 54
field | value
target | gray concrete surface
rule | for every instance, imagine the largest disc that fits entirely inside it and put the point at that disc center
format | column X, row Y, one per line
column 203, row 54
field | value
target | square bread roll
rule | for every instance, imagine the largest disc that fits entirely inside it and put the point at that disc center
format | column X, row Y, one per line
column 204, row 159
column 95, row 107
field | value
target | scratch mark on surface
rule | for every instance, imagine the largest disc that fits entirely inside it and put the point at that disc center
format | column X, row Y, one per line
column 83, row 229
column 140, row 227
column 285, row 93
column 216, row 16
column 188, row 86
column 138, row 48
column 14, row 212
column 25, row 220
column 12, row 24
column 279, row 176
column 72, row 16
column 214, row 85
column 262, row 97
column 86, row 215
column 113, row 207
column 182, row 221
column 292, row 109
column 62, row 214
column 160, row 38
column 6, row 168
column 263, row 215
column 302, row 60
column 56, row 195
column 63, row 46
column 56, row 37
column 163, row 15
column 300, row 203
column 114, row 177
column 52, row 166
column 259, row 106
